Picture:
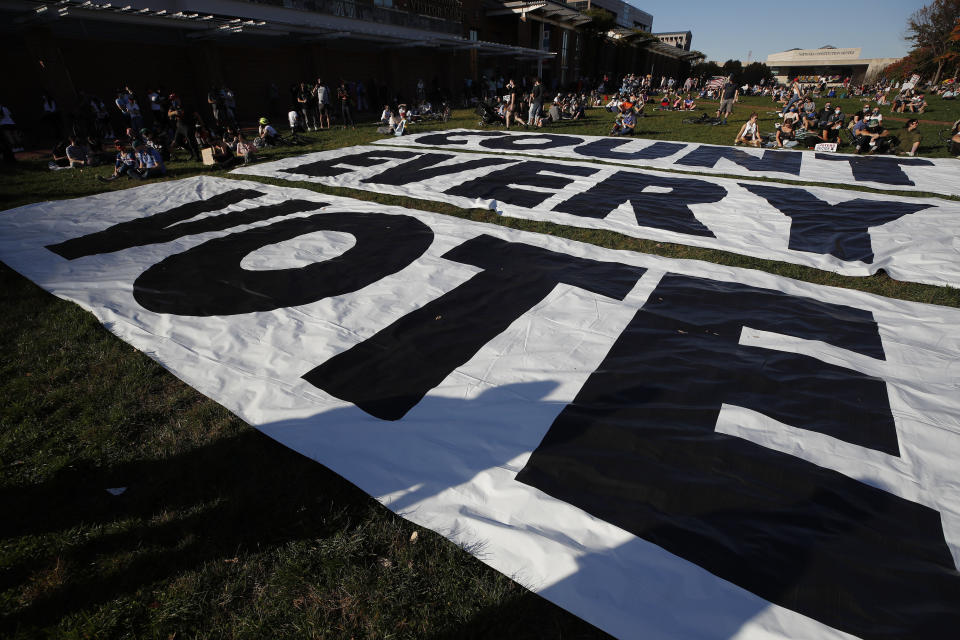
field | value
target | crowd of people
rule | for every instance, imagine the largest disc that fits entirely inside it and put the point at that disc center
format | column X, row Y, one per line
column 141, row 132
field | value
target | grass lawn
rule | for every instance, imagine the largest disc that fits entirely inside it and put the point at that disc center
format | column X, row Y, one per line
column 222, row 533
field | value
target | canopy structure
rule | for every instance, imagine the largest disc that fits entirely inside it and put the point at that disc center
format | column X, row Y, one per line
column 304, row 21
column 545, row 10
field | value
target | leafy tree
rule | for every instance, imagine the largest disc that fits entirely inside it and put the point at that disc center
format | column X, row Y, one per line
column 930, row 29
column 706, row 69
column 754, row 72
column 735, row 68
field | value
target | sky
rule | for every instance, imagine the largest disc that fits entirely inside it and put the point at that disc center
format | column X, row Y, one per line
column 736, row 29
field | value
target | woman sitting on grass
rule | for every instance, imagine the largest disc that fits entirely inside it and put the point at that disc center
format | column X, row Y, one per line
column 749, row 133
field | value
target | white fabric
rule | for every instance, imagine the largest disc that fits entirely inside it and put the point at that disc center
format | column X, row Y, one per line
column 919, row 247
column 942, row 176
column 449, row 463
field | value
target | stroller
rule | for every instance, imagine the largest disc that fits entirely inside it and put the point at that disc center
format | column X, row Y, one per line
column 488, row 115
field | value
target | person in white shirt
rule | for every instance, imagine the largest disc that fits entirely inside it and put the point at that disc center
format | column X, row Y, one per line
column 267, row 134
column 749, row 132
column 149, row 162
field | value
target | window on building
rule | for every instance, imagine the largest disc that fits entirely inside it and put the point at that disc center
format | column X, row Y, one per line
column 384, row 3
column 474, row 35
column 545, row 43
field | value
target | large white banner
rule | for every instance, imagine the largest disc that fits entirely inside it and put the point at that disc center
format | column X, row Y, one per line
column 936, row 175
column 837, row 230
column 669, row 449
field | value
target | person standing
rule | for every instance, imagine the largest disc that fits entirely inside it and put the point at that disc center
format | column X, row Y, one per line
column 182, row 135
column 512, row 100
column 305, row 105
column 728, row 96
column 343, row 95
column 51, row 117
column 322, row 92
column 536, row 102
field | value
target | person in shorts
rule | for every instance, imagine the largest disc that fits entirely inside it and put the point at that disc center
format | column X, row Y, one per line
column 728, row 96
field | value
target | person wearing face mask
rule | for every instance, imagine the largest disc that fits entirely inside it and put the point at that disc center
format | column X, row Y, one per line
column 833, row 124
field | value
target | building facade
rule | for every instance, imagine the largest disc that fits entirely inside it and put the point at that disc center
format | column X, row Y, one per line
column 827, row 61
column 262, row 48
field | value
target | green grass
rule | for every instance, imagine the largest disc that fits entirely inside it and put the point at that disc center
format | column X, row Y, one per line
column 222, row 533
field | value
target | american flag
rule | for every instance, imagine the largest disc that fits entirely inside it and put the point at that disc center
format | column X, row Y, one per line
column 716, row 82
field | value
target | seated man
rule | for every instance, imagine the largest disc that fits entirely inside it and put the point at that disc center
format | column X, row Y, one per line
column 77, row 154
column 808, row 113
column 59, row 155
column 831, row 128
column 625, row 124
column 385, row 115
column 689, row 104
column 917, row 104
column 149, row 162
column 909, row 139
column 245, row 149
column 267, row 134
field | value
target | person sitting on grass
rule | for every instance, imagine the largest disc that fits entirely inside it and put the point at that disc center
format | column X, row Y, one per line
column 267, row 134
column 830, row 129
column 909, row 139
column 917, row 104
column 222, row 154
column 689, row 104
column 954, row 146
column 625, row 124
column 77, row 154
column 59, row 155
column 786, row 137
column 677, row 104
column 792, row 117
column 245, row 149
column 125, row 163
column 869, row 139
column 149, row 162
column 749, row 133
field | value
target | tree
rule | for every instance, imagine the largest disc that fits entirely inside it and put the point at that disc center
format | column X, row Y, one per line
column 755, row 72
column 734, row 68
column 930, row 28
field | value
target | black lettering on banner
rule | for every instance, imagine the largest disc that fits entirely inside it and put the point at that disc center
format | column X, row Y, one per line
column 332, row 167
column 388, row 374
column 840, row 230
column 208, row 280
column 424, row 168
column 874, row 169
column 164, row 227
column 670, row 211
column 450, row 137
column 497, row 185
column 606, row 148
column 530, row 142
column 779, row 161
column 638, row 448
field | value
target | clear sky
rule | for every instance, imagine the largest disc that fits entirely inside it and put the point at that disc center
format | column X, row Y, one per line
column 735, row 28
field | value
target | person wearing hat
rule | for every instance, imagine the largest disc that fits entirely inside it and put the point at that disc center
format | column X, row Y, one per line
column 266, row 132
